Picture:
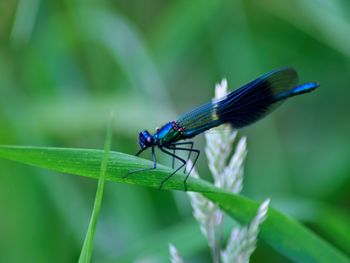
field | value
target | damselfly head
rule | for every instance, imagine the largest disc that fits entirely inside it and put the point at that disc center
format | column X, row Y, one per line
column 145, row 139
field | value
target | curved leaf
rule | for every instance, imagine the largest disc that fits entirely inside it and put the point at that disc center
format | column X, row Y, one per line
column 282, row 232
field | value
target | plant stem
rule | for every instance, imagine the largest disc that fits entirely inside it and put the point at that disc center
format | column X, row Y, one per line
column 86, row 252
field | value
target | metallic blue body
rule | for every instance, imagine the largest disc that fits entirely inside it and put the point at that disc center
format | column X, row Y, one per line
column 168, row 134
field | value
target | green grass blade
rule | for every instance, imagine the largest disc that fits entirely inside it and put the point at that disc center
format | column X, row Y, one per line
column 283, row 233
column 334, row 223
column 87, row 162
column 86, row 252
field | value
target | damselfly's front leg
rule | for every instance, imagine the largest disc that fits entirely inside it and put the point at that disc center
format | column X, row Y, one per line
column 145, row 169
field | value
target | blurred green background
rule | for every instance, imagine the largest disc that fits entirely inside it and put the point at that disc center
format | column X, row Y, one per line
column 64, row 65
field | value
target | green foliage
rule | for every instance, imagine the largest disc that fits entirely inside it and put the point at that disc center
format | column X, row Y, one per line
column 281, row 232
column 65, row 64
column 86, row 252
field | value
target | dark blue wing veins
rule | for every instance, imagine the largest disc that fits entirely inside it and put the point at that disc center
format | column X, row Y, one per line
column 247, row 104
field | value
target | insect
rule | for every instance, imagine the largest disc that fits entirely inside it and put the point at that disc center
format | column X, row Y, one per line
column 239, row 108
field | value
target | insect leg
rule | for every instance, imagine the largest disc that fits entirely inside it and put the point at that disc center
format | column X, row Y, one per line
column 193, row 164
column 195, row 160
column 174, row 156
column 140, row 151
column 145, row 169
column 173, row 162
column 189, row 152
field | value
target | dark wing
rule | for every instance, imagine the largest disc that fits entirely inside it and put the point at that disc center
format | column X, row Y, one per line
column 256, row 99
column 247, row 104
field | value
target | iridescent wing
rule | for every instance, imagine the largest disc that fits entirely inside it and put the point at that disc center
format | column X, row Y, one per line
column 247, row 104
